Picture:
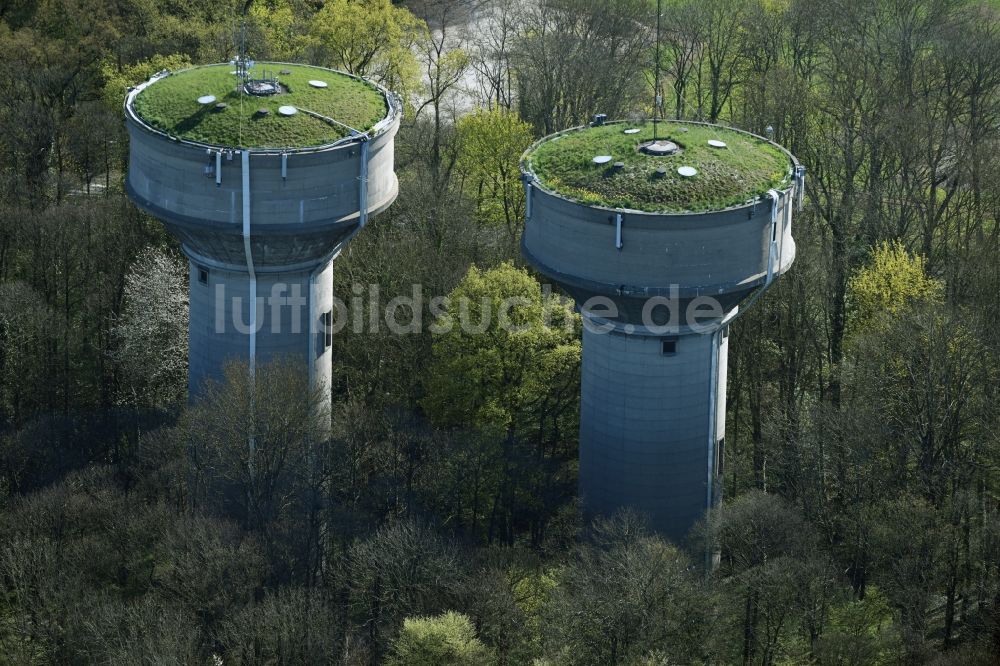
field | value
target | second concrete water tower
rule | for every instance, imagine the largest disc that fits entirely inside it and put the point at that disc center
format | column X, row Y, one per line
column 661, row 235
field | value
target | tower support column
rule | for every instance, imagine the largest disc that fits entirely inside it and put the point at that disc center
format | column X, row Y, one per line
column 652, row 416
column 291, row 313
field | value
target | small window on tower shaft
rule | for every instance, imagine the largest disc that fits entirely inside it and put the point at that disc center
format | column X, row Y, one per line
column 669, row 346
column 203, row 275
column 720, row 456
column 327, row 319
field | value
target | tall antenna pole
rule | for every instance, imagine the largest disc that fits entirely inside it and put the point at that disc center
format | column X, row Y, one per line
column 241, row 59
column 245, row 74
column 657, row 99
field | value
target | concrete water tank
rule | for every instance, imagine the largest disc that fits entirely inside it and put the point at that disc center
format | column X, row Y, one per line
column 263, row 185
column 660, row 246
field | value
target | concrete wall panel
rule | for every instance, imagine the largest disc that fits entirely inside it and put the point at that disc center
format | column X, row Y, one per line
column 644, row 428
column 704, row 254
column 289, row 321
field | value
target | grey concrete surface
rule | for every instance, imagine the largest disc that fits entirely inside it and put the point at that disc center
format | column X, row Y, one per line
column 652, row 424
column 274, row 229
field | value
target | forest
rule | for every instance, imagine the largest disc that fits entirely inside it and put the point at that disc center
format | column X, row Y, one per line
column 439, row 522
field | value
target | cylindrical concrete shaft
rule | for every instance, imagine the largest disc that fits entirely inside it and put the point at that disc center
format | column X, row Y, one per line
column 652, row 413
column 289, row 321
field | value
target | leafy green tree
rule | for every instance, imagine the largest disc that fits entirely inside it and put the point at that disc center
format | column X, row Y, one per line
column 371, row 38
column 891, row 281
column 861, row 632
column 404, row 569
column 506, row 363
column 623, row 595
column 276, row 28
column 445, row 640
column 118, row 79
column 505, row 350
column 531, row 593
column 490, row 144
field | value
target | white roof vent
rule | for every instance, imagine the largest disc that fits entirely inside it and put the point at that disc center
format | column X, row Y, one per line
column 660, row 148
column 687, row 171
column 318, row 84
column 206, row 99
column 715, row 143
column 287, row 110
column 602, row 159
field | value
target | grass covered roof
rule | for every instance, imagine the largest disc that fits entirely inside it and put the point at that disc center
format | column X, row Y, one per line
column 729, row 176
column 171, row 105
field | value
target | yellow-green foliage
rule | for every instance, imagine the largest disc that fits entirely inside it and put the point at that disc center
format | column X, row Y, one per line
column 892, row 280
column 275, row 22
column 490, row 145
column 444, row 640
column 494, row 356
column 372, row 38
column 861, row 631
column 117, row 82
column 531, row 593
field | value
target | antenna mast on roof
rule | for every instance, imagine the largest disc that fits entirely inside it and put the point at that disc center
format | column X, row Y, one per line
column 242, row 60
column 657, row 98
column 243, row 66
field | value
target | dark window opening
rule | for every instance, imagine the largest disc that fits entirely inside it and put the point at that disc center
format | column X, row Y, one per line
column 327, row 320
column 203, row 275
column 669, row 347
column 720, row 456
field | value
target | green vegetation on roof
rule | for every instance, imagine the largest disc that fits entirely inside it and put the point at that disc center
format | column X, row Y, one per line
column 726, row 176
column 171, row 105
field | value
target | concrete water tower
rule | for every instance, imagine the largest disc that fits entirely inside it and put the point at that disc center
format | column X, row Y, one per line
column 659, row 241
column 263, row 172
